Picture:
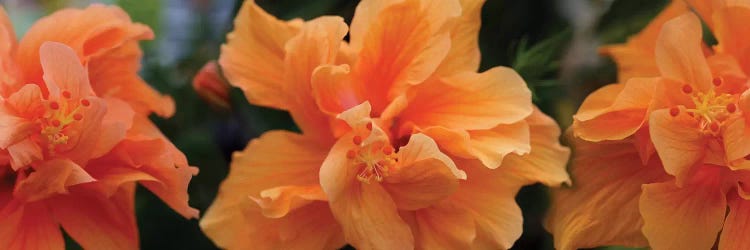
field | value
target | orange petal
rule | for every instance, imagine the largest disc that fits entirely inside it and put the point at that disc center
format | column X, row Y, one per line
column 678, row 141
column 547, row 159
column 608, row 178
column 615, row 111
column 82, row 146
column 370, row 219
column 735, row 230
column 464, row 53
column 50, row 178
column 279, row 201
column 688, row 217
column 7, row 34
column 277, row 158
column 333, row 89
column 402, row 45
column 489, row 146
column 98, row 222
column 443, row 226
column 115, row 74
column 89, row 32
column 115, row 123
column 158, row 159
column 489, row 197
column 636, row 58
column 679, row 54
column 30, row 227
column 423, row 176
column 470, row 101
column 24, row 153
column 730, row 30
column 253, row 57
column 17, row 113
column 736, row 138
column 211, row 87
column 316, row 44
column 63, row 71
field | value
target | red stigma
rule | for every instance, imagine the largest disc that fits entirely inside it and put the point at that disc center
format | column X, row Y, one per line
column 357, row 140
column 731, row 107
column 687, row 89
column 714, row 127
column 77, row 117
column 66, row 94
column 351, row 154
column 54, row 105
column 717, row 81
column 56, row 123
column 387, row 150
column 85, row 103
column 369, row 126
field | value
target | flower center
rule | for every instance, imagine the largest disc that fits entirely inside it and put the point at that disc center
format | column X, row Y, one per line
column 373, row 161
column 710, row 108
column 59, row 116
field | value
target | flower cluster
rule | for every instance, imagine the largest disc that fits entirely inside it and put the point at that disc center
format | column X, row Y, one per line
column 75, row 136
column 662, row 155
column 403, row 144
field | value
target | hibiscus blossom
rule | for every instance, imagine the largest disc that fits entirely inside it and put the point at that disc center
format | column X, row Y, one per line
column 71, row 151
column 403, row 144
column 692, row 117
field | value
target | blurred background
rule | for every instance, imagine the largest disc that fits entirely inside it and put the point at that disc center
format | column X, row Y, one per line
column 551, row 43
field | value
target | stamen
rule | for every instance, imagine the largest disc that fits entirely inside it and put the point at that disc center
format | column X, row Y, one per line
column 687, row 89
column 56, row 123
column 387, row 150
column 674, row 111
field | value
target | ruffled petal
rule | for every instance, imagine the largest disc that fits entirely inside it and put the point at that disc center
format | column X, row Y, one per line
column 735, row 231
column 443, row 226
column 679, row 142
column 31, row 226
column 253, row 57
column 489, row 146
column 731, row 30
column 276, row 159
column 601, row 208
column 470, row 101
column 95, row 221
column 464, row 53
column 679, row 52
column 688, row 217
column 63, row 71
column 50, row 178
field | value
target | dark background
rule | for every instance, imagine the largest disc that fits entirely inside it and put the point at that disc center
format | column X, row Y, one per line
column 552, row 44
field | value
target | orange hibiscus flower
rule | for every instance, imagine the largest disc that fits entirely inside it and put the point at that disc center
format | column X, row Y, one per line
column 692, row 116
column 70, row 155
column 403, row 144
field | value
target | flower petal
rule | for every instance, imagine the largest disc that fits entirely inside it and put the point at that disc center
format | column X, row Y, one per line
column 402, row 46
column 735, row 231
column 30, row 227
column 89, row 32
column 464, row 53
column 63, row 71
column 688, row 217
column 8, row 40
column 615, row 111
column 730, row 30
column 370, row 219
column 277, row 158
column 443, row 226
column 470, row 101
column 636, row 58
column 547, row 159
column 489, row 146
column 277, row 202
column 608, row 178
column 24, row 153
column 253, row 57
column 678, row 141
column 423, row 176
column 98, row 222
column 50, row 178
column 679, row 52
column 489, row 196
column 316, row 44
column 17, row 113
